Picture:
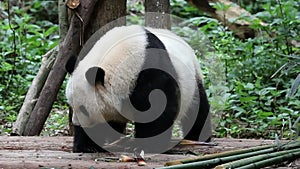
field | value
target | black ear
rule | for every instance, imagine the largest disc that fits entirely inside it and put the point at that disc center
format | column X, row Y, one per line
column 95, row 75
column 70, row 66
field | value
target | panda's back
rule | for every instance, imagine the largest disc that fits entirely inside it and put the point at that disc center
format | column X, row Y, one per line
column 121, row 52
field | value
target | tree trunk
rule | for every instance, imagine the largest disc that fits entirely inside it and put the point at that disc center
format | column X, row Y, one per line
column 69, row 47
column 34, row 92
column 105, row 12
column 158, row 14
column 38, row 82
column 62, row 19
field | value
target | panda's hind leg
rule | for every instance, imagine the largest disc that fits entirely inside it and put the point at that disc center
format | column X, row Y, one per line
column 161, row 127
column 201, row 129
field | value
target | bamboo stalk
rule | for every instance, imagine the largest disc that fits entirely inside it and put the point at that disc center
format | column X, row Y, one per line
column 212, row 156
column 248, row 162
column 273, row 161
column 216, row 160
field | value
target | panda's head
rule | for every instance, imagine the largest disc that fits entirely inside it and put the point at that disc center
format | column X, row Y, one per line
column 83, row 94
column 104, row 75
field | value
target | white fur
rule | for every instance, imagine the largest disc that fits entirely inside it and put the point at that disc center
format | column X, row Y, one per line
column 121, row 53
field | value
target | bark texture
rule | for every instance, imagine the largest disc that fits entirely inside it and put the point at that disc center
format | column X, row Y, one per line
column 69, row 47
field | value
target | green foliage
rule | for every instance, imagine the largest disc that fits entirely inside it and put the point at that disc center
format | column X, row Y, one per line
column 57, row 123
column 181, row 8
column 255, row 108
column 259, row 71
column 23, row 41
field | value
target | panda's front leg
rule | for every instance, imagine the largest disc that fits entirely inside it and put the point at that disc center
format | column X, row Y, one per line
column 83, row 142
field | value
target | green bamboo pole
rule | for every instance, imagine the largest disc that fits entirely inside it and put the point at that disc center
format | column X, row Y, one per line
column 218, row 155
column 248, row 162
column 272, row 161
column 218, row 160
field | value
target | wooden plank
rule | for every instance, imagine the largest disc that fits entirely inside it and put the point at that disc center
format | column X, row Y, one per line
column 50, row 152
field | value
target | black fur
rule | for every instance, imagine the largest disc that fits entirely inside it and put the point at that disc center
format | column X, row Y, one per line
column 150, row 78
column 84, row 111
column 95, row 75
column 83, row 143
column 70, row 66
column 154, row 41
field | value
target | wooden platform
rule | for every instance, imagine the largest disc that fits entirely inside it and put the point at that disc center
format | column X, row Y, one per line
column 55, row 152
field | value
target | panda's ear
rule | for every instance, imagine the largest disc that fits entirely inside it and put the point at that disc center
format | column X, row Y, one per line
column 95, row 75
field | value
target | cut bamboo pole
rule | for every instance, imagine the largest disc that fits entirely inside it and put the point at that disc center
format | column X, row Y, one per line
column 205, row 162
column 217, row 155
column 272, row 161
column 248, row 162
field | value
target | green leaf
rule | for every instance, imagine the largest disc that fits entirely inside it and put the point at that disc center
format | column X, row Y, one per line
column 248, row 99
column 6, row 67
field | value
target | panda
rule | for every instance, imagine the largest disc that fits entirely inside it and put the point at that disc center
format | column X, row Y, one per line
column 145, row 75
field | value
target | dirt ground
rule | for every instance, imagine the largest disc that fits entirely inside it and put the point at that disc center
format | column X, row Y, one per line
column 55, row 152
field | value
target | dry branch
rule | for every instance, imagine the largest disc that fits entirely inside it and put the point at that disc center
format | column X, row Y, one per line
column 70, row 47
column 34, row 92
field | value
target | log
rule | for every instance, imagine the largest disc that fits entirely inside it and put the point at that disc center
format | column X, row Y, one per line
column 241, row 28
column 60, row 143
column 70, row 47
column 36, row 143
column 34, row 92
